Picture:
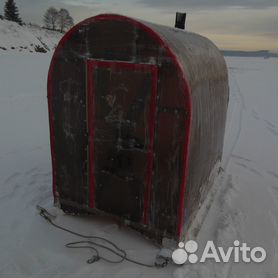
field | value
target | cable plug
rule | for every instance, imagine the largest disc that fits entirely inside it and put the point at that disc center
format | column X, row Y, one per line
column 93, row 259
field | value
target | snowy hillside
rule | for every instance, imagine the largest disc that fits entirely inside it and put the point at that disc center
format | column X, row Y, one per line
column 245, row 207
column 27, row 38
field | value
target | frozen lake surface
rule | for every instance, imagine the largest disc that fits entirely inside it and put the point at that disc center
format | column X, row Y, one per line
column 245, row 206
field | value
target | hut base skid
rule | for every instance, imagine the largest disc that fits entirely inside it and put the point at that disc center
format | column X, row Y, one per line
column 137, row 116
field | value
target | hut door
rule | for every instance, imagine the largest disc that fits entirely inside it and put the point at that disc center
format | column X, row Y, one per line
column 121, row 117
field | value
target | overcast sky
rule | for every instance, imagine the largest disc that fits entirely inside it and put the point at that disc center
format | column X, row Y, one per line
column 234, row 24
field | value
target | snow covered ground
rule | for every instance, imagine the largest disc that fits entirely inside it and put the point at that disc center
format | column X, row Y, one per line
column 245, row 207
column 27, row 38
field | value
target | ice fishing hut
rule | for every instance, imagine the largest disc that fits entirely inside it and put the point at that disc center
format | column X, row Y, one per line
column 137, row 116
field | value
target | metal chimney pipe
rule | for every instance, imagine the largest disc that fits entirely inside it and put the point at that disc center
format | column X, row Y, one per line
column 180, row 20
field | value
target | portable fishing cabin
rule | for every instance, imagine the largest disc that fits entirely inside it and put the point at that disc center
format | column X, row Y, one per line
column 137, row 116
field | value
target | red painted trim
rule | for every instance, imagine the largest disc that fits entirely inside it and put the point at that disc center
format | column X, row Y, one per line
column 91, row 65
column 156, row 37
column 50, row 115
column 185, row 160
column 149, row 167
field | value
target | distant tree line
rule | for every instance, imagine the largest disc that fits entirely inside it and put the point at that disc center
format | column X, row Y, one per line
column 57, row 19
column 53, row 19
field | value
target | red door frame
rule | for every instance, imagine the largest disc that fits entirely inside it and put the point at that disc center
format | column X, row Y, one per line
column 91, row 65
